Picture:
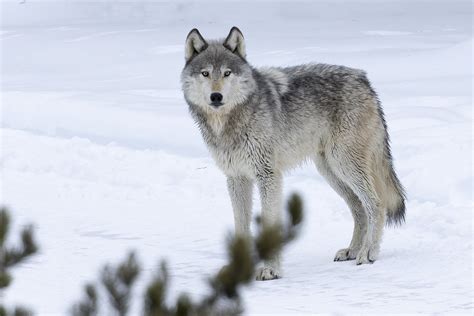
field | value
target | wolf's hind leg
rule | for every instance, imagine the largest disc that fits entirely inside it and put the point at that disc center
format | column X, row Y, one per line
column 348, row 165
column 358, row 212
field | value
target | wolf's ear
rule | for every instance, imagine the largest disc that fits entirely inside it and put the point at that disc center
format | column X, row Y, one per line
column 195, row 44
column 235, row 42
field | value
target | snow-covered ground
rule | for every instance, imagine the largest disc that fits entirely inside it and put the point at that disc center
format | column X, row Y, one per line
column 98, row 150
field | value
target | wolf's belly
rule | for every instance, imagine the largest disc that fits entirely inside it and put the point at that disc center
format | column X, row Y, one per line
column 294, row 150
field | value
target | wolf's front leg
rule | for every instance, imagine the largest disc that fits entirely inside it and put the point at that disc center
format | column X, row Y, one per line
column 240, row 191
column 270, row 187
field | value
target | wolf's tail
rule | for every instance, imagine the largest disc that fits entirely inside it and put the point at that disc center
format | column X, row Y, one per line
column 391, row 192
column 395, row 199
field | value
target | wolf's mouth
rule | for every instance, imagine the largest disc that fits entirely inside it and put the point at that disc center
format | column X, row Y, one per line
column 216, row 104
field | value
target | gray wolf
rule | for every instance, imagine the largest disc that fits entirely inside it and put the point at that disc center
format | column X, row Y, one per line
column 260, row 122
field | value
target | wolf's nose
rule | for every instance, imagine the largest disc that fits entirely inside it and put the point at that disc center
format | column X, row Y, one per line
column 216, row 97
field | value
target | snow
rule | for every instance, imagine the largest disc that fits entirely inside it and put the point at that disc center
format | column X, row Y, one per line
column 98, row 150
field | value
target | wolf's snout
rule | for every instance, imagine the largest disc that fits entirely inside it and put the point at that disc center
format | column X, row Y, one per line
column 216, row 98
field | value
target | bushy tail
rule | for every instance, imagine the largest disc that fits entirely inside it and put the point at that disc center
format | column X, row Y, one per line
column 396, row 200
column 390, row 190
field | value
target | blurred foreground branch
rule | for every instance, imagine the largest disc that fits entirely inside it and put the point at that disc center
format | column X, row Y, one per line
column 244, row 255
column 11, row 256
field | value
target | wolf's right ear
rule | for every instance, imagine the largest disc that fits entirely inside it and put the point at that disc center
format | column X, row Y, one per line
column 195, row 44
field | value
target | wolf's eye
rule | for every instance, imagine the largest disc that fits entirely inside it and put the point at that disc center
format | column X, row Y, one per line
column 205, row 73
column 227, row 73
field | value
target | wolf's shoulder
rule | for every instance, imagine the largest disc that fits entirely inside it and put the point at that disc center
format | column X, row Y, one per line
column 276, row 76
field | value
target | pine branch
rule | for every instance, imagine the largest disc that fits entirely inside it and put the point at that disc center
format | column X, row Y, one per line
column 155, row 295
column 12, row 256
column 244, row 254
column 4, row 225
column 119, row 282
column 88, row 306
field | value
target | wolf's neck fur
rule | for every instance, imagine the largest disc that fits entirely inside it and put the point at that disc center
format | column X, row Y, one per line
column 217, row 121
column 213, row 124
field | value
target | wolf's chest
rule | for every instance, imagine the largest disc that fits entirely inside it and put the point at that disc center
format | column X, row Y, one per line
column 233, row 159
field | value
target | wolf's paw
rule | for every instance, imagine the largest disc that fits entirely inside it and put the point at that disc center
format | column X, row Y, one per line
column 366, row 255
column 267, row 273
column 345, row 254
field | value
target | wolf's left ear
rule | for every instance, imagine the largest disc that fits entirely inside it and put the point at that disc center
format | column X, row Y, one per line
column 235, row 42
column 195, row 44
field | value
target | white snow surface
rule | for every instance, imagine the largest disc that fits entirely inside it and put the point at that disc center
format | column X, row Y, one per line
column 99, row 152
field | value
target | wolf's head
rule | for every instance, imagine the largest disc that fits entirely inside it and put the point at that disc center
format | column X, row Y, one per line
column 216, row 76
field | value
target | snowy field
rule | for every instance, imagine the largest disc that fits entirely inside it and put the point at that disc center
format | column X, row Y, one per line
column 98, row 150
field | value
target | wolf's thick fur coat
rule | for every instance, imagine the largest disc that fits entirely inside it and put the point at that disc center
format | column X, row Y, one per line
column 271, row 119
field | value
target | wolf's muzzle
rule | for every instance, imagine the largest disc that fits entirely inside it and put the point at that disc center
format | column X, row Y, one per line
column 216, row 99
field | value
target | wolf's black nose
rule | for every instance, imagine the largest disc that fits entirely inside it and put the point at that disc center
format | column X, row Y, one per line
column 216, row 97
